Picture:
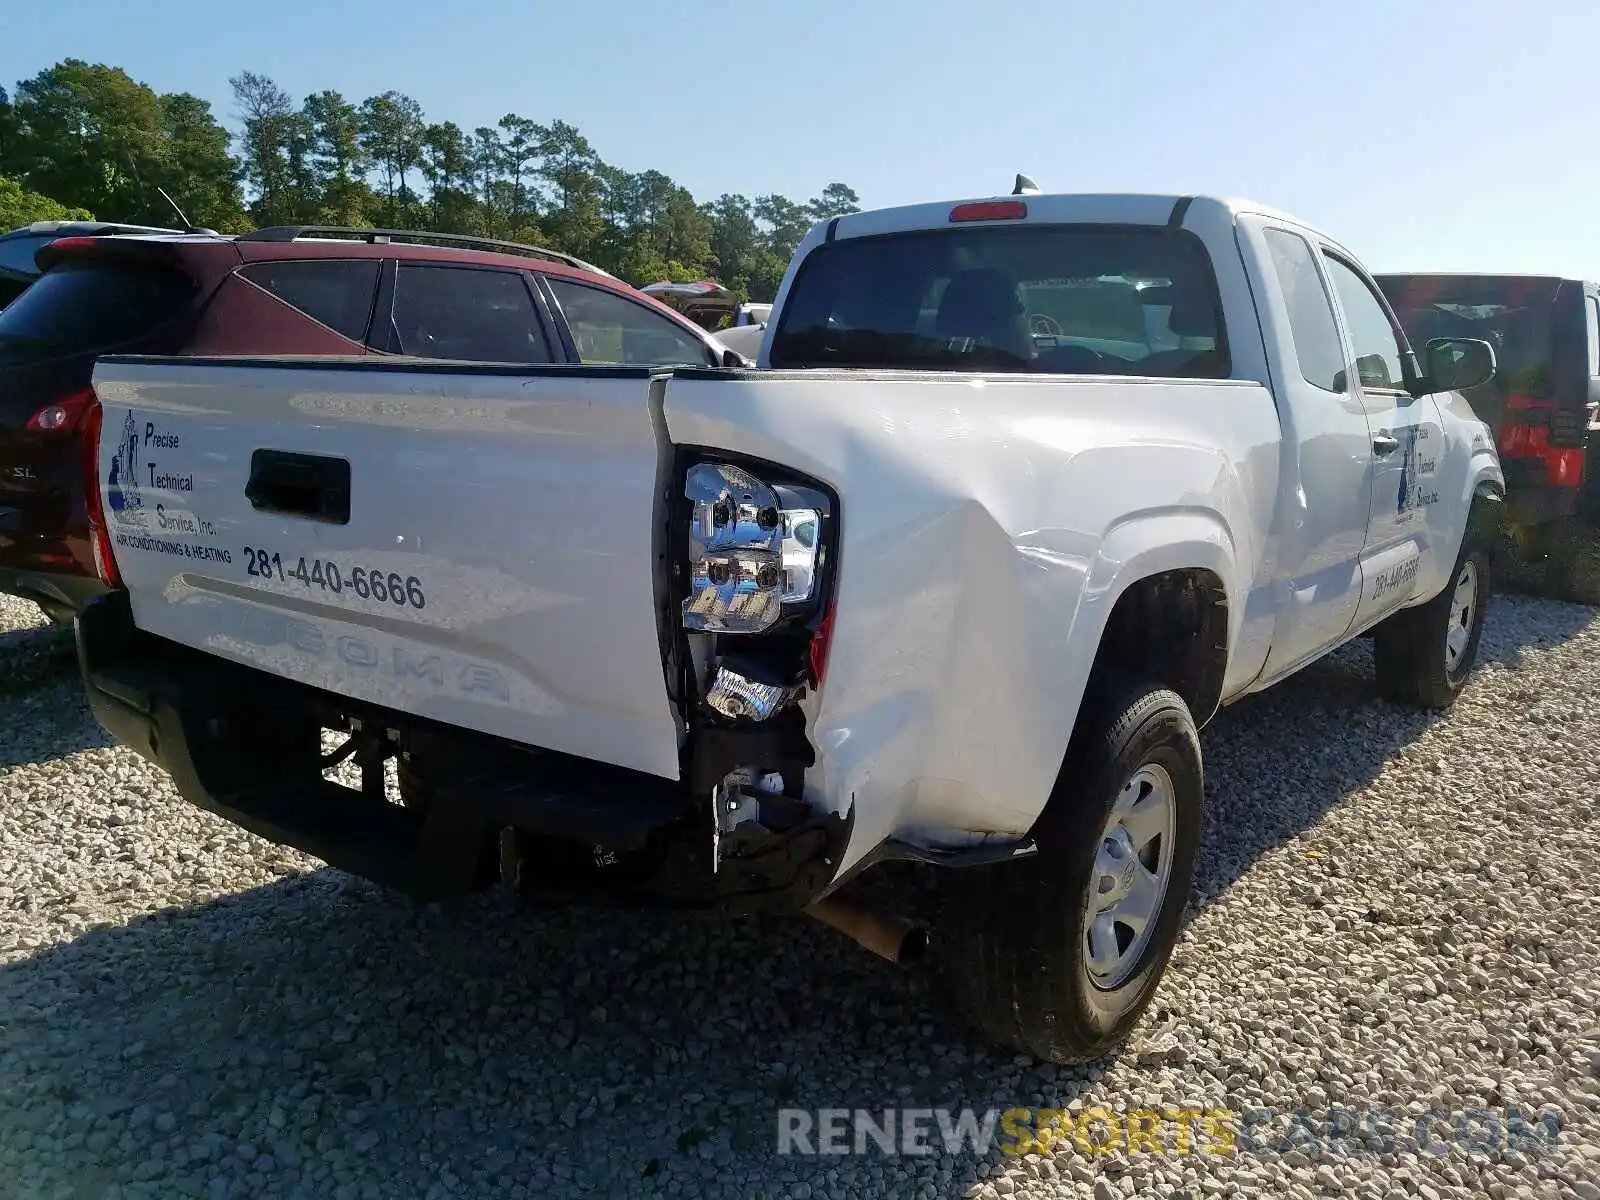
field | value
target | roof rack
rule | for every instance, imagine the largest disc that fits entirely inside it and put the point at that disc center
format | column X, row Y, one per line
column 289, row 233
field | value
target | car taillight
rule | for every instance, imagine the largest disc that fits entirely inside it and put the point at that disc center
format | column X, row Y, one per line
column 759, row 576
column 105, row 564
column 63, row 415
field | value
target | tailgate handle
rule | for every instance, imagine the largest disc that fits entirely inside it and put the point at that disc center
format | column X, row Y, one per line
column 300, row 485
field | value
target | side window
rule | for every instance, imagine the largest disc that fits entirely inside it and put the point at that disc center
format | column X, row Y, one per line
column 468, row 313
column 611, row 329
column 335, row 291
column 1591, row 308
column 1372, row 335
column 1311, row 323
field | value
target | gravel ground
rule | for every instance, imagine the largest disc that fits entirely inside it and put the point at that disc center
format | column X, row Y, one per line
column 1393, row 912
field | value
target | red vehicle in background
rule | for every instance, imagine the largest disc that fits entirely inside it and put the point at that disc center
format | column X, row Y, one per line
column 1543, row 399
column 287, row 290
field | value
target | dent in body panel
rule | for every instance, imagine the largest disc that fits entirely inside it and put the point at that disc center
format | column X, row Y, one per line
column 987, row 527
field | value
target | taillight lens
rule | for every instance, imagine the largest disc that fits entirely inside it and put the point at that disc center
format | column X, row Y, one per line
column 64, row 415
column 105, row 564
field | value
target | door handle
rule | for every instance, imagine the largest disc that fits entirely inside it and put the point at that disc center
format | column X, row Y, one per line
column 300, row 485
column 1384, row 443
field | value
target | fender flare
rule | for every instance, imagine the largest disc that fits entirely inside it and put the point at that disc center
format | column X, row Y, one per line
column 1486, row 512
column 1141, row 547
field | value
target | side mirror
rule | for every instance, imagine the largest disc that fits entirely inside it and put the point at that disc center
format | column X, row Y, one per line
column 1455, row 364
column 734, row 361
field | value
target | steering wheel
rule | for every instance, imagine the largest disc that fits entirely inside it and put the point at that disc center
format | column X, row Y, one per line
column 1040, row 325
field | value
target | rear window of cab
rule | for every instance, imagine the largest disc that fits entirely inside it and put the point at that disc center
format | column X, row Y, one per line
column 1053, row 299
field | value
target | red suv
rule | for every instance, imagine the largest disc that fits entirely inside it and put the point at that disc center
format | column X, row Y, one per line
column 290, row 290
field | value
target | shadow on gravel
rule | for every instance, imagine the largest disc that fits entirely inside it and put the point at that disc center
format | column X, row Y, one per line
column 31, row 658
column 327, row 1026
column 49, row 721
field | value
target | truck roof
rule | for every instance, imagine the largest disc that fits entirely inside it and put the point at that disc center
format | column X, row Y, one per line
column 1135, row 208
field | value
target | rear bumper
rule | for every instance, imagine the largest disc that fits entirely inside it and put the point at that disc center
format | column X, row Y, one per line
column 246, row 746
column 56, row 572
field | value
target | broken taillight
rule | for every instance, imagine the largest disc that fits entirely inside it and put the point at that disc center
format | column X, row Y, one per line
column 759, row 576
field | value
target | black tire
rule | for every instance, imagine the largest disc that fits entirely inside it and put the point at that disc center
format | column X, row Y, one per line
column 1411, row 648
column 1014, row 950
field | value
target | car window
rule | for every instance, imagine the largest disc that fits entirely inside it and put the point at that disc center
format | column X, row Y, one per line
column 1311, row 320
column 16, row 256
column 1058, row 299
column 467, row 313
column 1514, row 314
column 1372, row 336
column 337, row 292
column 1592, row 319
column 609, row 328
column 85, row 307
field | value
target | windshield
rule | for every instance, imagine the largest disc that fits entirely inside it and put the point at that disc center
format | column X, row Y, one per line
column 1057, row 299
column 82, row 308
column 1513, row 315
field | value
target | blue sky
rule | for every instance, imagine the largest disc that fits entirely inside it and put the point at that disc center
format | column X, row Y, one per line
column 1433, row 135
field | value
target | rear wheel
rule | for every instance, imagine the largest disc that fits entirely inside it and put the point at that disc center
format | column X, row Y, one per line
column 1424, row 654
column 1058, row 956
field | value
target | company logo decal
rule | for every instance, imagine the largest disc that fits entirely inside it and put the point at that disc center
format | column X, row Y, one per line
column 122, row 481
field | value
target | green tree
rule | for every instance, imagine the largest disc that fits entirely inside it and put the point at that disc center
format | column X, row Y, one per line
column 8, row 131
column 836, row 200
column 276, row 148
column 195, row 167
column 89, row 135
column 18, row 206
column 391, row 133
column 735, row 240
column 521, row 143
column 571, row 167
column 93, row 135
column 338, row 160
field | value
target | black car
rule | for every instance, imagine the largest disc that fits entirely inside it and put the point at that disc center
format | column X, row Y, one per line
column 17, row 248
column 1541, row 404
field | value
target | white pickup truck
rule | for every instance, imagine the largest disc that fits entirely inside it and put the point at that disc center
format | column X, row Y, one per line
column 1022, row 491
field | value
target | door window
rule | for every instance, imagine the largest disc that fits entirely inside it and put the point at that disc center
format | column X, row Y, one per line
column 611, row 329
column 467, row 313
column 1372, row 334
column 1311, row 320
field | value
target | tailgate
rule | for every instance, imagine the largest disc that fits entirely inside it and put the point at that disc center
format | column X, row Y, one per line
column 463, row 543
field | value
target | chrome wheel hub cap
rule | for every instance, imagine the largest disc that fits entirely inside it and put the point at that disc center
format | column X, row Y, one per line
column 1463, row 610
column 1132, row 867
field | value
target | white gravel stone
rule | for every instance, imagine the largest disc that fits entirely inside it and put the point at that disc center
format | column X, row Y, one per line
column 1392, row 911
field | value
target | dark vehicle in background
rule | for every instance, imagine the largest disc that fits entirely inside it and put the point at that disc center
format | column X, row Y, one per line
column 288, row 290
column 18, row 269
column 1542, row 401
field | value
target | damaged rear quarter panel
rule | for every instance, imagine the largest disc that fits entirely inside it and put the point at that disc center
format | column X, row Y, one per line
column 987, row 527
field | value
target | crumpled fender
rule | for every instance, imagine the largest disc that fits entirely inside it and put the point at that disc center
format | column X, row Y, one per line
column 986, row 530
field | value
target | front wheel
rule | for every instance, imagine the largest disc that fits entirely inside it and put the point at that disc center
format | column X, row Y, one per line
column 1424, row 654
column 1058, row 956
